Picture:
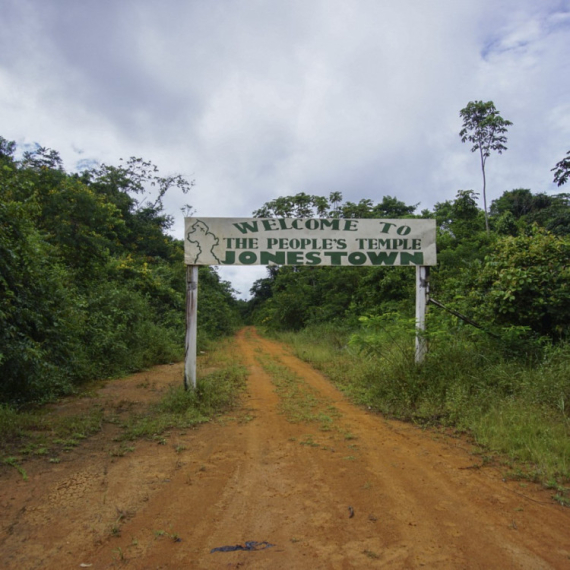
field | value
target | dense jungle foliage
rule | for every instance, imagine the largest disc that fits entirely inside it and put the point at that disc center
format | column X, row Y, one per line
column 507, row 383
column 91, row 284
column 516, row 277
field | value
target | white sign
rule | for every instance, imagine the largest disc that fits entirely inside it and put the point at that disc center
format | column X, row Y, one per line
column 309, row 241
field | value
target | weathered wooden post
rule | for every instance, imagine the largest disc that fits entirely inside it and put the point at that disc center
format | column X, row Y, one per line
column 191, row 326
column 422, row 292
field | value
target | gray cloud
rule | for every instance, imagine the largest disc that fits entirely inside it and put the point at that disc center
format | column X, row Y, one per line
column 257, row 99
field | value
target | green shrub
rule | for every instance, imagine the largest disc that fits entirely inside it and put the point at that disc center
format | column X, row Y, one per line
column 526, row 282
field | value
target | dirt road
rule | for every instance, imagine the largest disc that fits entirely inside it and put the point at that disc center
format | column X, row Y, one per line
column 339, row 489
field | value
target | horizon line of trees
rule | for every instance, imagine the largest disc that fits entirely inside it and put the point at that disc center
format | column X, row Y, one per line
column 516, row 275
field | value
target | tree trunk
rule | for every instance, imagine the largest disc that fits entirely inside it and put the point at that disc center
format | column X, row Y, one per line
column 484, row 190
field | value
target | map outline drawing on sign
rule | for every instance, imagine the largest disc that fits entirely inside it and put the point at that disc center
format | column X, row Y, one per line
column 204, row 239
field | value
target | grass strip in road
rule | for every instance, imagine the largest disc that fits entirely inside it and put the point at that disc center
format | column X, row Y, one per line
column 299, row 402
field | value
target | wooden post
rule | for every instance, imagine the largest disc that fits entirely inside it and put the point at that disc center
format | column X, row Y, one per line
column 422, row 292
column 191, row 328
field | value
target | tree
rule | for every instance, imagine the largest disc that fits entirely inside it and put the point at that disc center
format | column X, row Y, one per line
column 299, row 206
column 519, row 202
column 523, row 208
column 7, row 148
column 42, row 158
column 562, row 170
column 391, row 207
column 460, row 218
column 485, row 128
column 524, row 282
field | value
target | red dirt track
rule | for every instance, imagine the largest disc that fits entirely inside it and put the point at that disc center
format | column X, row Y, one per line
column 418, row 499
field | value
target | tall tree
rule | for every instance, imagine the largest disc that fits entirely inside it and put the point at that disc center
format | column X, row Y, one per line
column 485, row 128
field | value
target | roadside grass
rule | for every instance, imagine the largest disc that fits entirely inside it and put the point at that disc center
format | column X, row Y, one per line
column 510, row 403
column 26, row 434
column 39, row 432
column 532, row 436
column 215, row 393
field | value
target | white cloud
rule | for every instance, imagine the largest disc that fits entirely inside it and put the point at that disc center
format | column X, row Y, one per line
column 257, row 99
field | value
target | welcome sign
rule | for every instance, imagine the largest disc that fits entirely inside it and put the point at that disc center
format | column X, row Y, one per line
column 309, row 241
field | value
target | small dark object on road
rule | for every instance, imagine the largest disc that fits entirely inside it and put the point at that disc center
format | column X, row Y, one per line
column 350, row 512
column 251, row 545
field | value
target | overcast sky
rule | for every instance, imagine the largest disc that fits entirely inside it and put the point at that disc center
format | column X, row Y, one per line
column 255, row 99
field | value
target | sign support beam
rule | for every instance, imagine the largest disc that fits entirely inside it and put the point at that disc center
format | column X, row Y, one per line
column 311, row 242
column 422, row 299
column 191, row 326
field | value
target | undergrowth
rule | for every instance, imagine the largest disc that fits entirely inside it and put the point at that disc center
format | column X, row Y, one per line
column 42, row 432
column 215, row 392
